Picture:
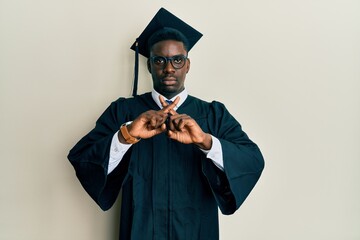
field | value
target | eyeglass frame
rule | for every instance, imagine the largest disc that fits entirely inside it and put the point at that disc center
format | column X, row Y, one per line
column 167, row 59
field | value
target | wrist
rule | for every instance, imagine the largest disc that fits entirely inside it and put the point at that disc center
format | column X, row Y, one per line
column 126, row 136
column 206, row 144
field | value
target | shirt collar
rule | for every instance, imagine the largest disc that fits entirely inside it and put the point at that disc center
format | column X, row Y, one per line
column 183, row 95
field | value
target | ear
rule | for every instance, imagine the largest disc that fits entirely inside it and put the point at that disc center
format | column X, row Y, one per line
column 148, row 65
column 188, row 65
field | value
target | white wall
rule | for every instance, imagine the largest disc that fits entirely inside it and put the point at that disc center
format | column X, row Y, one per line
column 288, row 70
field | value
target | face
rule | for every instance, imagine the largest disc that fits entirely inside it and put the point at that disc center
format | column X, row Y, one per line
column 167, row 80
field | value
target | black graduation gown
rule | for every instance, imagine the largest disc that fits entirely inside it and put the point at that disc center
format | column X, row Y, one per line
column 169, row 190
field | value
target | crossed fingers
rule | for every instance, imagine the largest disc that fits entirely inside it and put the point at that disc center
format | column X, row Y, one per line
column 169, row 108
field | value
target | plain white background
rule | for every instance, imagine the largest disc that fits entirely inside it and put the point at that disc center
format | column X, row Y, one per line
column 289, row 71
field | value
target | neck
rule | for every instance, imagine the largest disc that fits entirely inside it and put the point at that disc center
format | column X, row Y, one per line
column 169, row 95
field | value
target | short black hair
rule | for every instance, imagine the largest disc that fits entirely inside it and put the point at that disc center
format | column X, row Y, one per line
column 167, row 33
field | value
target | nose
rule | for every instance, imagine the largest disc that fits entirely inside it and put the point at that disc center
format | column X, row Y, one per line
column 168, row 68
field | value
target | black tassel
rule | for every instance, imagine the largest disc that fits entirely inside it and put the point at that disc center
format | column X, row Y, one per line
column 136, row 68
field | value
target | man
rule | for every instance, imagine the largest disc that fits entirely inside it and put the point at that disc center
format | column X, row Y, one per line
column 175, row 157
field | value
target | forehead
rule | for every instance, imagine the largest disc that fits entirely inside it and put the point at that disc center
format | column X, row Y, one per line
column 168, row 48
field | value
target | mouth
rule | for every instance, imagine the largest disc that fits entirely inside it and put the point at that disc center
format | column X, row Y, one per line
column 169, row 81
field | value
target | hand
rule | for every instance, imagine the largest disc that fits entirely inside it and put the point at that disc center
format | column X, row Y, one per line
column 185, row 129
column 151, row 123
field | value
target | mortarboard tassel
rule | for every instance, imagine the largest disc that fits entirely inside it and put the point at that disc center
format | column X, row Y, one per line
column 136, row 68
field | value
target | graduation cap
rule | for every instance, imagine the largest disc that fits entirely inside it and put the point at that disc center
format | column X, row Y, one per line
column 162, row 19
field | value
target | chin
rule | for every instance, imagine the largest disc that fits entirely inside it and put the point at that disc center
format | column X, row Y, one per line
column 169, row 89
column 169, row 93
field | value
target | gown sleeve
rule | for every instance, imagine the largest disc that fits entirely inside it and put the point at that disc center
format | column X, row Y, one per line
column 243, row 161
column 90, row 158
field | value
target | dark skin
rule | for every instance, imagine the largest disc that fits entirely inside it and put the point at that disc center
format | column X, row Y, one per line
column 168, row 82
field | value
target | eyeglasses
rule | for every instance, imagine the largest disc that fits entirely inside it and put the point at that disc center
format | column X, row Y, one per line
column 177, row 61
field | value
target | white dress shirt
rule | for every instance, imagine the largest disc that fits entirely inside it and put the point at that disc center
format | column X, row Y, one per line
column 118, row 149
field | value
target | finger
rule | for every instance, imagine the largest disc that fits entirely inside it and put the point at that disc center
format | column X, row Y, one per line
column 172, row 112
column 162, row 101
column 159, row 130
column 147, row 116
column 179, row 121
column 172, row 122
column 160, row 119
column 155, row 120
column 174, row 104
column 151, row 133
column 176, row 136
column 176, row 101
column 185, row 121
column 169, row 111
column 171, row 134
column 180, row 124
column 152, row 123
column 169, row 108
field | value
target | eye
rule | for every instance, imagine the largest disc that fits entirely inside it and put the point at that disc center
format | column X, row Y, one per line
column 178, row 59
column 159, row 60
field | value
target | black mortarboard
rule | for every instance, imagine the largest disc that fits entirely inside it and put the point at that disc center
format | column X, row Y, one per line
column 162, row 19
